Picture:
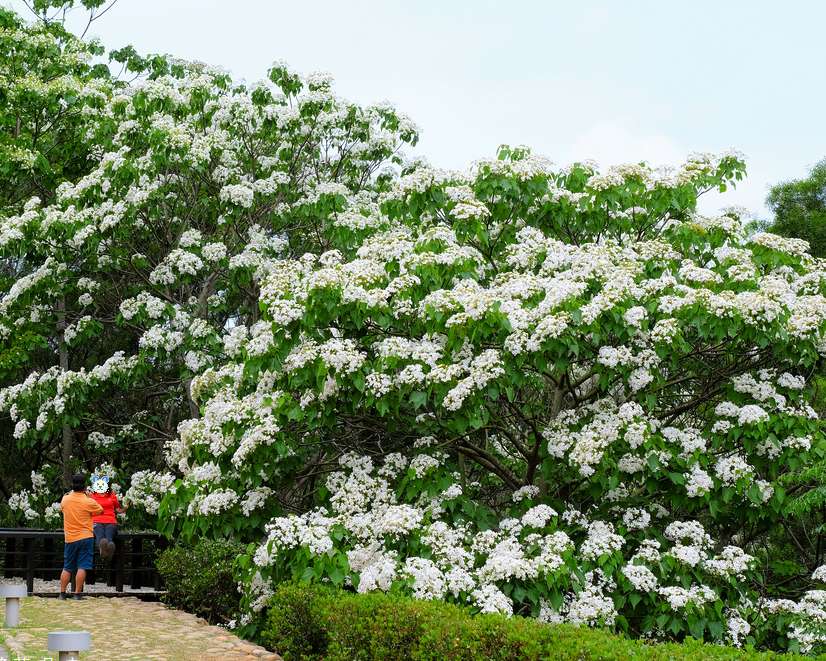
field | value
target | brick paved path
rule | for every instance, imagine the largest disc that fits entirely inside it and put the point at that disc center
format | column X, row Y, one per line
column 126, row 629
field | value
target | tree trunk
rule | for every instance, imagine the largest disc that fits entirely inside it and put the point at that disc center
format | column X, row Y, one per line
column 194, row 409
column 63, row 357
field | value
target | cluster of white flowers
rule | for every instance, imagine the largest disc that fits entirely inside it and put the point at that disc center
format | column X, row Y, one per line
column 679, row 597
column 529, row 491
column 641, row 577
column 698, row 482
column 24, row 502
column 636, row 519
column 601, row 540
column 590, row 606
column 737, row 629
column 732, row 561
column 732, row 469
column 100, row 440
column 53, row 513
column 460, row 562
column 148, row 489
column 211, row 503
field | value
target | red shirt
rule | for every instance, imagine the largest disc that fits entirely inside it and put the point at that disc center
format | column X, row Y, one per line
column 108, row 501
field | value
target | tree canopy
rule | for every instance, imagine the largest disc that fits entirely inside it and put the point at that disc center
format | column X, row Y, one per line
column 124, row 278
column 522, row 387
column 799, row 207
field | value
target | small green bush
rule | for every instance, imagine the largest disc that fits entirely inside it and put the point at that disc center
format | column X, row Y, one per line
column 317, row 623
column 297, row 621
column 199, row 579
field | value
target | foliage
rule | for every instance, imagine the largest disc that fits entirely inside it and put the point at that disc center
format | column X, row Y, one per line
column 799, row 207
column 199, row 579
column 556, row 392
column 34, row 507
column 298, row 620
column 134, row 270
column 309, row 623
column 42, row 76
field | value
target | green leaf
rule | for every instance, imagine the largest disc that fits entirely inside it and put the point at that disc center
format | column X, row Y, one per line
column 755, row 494
column 337, row 576
column 358, row 382
column 417, row 399
column 717, row 629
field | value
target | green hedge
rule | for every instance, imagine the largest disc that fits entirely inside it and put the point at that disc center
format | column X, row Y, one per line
column 199, row 579
column 314, row 623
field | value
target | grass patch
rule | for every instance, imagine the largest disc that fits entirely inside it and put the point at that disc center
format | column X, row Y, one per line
column 30, row 639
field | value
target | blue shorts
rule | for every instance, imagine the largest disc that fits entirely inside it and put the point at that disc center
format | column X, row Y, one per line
column 79, row 554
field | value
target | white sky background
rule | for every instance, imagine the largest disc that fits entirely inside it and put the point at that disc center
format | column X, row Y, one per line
column 616, row 81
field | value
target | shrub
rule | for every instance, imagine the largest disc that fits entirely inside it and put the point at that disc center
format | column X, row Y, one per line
column 297, row 621
column 315, row 623
column 199, row 578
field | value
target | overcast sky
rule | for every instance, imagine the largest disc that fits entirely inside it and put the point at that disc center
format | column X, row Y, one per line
column 619, row 81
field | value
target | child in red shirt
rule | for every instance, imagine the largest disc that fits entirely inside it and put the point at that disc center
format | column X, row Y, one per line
column 106, row 525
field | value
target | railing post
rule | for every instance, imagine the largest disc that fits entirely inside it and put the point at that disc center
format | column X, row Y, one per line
column 8, row 561
column 111, row 567
column 137, row 561
column 120, row 550
column 161, row 547
column 48, row 554
column 30, row 564
column 90, row 573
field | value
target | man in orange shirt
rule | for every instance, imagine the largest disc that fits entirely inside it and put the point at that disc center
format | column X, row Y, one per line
column 79, row 549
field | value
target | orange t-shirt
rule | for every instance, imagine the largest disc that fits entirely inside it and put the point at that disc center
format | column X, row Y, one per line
column 78, row 510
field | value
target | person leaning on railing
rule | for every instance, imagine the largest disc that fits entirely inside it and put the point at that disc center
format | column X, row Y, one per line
column 106, row 525
column 79, row 549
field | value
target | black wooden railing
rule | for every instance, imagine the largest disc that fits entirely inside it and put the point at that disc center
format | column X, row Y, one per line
column 34, row 554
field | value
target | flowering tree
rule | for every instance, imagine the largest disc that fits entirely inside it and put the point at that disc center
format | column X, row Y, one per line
column 530, row 389
column 41, row 124
column 129, row 276
column 42, row 72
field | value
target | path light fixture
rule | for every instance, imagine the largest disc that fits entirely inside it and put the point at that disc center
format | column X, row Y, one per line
column 13, row 594
column 68, row 644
